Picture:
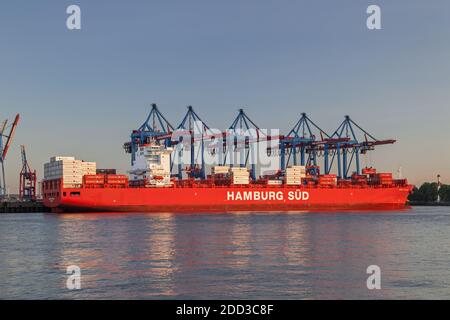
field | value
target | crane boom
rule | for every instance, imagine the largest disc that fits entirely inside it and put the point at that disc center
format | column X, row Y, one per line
column 3, row 127
column 10, row 137
column 4, row 149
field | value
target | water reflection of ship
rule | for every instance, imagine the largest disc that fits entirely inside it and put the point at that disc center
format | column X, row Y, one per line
column 114, row 255
column 159, row 268
column 245, row 255
column 236, row 253
column 340, row 251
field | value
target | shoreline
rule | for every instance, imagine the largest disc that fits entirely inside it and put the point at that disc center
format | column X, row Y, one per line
column 429, row 204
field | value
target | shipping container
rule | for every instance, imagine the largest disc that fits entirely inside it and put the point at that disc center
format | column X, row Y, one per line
column 106, row 171
column 370, row 171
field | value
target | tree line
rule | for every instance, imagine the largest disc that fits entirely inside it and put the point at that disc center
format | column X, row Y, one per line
column 428, row 192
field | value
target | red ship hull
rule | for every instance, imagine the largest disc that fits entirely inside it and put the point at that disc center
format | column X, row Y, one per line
column 206, row 198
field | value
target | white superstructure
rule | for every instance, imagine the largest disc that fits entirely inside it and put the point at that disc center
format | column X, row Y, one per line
column 152, row 165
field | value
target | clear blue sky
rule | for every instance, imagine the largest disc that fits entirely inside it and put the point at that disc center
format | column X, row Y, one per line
column 81, row 92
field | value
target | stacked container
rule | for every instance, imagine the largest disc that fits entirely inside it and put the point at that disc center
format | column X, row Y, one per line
column 369, row 171
column 274, row 182
column 240, row 175
column 105, row 171
column 88, row 168
column 66, row 168
column 70, row 170
column 360, row 179
column 94, row 179
column 220, row 170
column 327, row 180
column 383, row 178
column 295, row 174
column 116, row 180
column 61, row 158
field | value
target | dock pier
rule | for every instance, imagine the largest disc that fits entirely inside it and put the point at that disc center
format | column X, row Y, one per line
column 22, row 207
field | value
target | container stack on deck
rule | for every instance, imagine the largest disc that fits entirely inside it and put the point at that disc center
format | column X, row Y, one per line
column 359, row 179
column 327, row 180
column 88, row 167
column 219, row 173
column 295, row 174
column 116, row 180
column 382, row 178
column 101, row 180
column 220, row 170
column 106, row 171
column 240, row 175
column 70, row 170
column 94, row 180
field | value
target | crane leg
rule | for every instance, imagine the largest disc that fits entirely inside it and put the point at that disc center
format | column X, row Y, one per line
column 3, row 182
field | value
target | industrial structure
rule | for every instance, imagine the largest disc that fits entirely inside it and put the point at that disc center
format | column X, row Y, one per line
column 305, row 144
column 27, row 185
column 221, row 171
column 191, row 125
column 5, row 143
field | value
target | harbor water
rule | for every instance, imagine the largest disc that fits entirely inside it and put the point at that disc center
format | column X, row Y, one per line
column 227, row 256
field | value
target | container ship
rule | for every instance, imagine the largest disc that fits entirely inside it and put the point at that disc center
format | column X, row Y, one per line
column 72, row 185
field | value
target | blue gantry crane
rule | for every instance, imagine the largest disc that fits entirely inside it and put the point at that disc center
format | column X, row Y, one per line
column 343, row 147
column 155, row 126
column 351, row 141
column 244, row 128
column 304, row 144
column 300, row 144
column 193, row 126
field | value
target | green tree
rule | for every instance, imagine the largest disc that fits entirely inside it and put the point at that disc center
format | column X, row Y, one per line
column 415, row 195
column 444, row 193
column 427, row 192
